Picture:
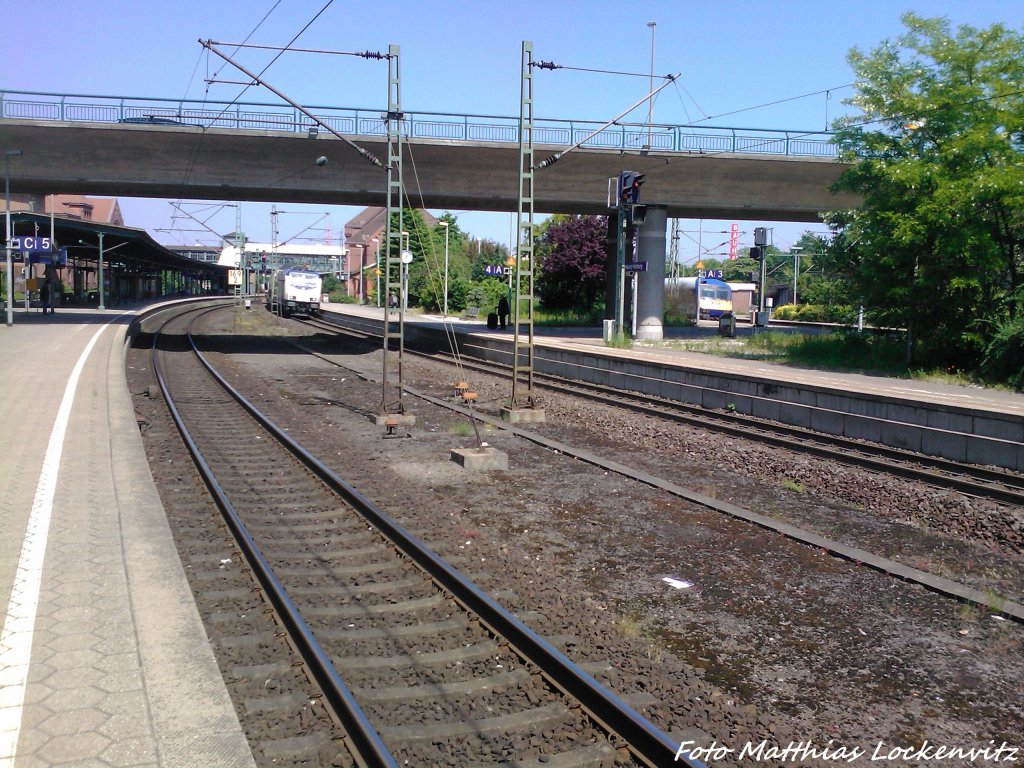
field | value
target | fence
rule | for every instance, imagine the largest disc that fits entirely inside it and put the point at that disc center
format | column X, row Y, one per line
column 29, row 105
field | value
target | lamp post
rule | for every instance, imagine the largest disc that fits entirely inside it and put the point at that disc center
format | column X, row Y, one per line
column 445, row 225
column 102, row 251
column 100, row 285
column 650, row 99
column 404, row 273
column 9, row 153
column 376, row 263
column 795, row 250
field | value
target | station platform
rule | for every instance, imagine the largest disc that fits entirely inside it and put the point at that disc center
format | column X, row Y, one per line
column 103, row 656
column 909, row 390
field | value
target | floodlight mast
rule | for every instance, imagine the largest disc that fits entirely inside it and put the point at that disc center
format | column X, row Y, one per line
column 369, row 156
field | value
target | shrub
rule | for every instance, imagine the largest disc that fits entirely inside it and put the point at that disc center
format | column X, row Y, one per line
column 1003, row 360
column 485, row 295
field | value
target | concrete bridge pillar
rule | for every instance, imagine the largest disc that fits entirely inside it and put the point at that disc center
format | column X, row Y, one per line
column 650, row 305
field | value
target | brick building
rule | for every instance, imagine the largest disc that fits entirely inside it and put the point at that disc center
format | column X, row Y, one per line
column 364, row 234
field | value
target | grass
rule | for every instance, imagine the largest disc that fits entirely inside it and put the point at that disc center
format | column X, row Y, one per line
column 994, row 600
column 629, row 625
column 792, row 485
column 619, row 341
column 836, row 351
column 567, row 318
column 969, row 613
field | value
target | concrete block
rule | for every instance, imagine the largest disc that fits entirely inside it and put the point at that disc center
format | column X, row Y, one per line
column 951, row 421
column 863, row 428
column 829, row 422
column 901, row 436
column 1000, row 453
column 1001, row 426
column 715, row 399
column 523, row 415
column 948, row 445
column 765, row 409
column 791, row 413
column 480, row 459
column 907, row 414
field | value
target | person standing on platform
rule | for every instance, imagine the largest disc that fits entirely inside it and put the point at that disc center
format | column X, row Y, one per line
column 44, row 295
column 502, row 312
column 51, row 289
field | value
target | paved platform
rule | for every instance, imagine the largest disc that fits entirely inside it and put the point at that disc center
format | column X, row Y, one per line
column 103, row 657
column 904, row 389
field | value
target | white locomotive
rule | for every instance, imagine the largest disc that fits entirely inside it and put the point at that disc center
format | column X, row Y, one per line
column 295, row 292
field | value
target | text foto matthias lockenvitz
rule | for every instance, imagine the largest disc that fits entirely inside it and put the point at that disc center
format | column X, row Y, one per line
column 880, row 752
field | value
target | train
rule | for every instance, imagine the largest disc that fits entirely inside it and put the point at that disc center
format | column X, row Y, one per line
column 700, row 298
column 295, row 292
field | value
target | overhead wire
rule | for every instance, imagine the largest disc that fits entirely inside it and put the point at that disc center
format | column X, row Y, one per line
column 206, row 92
column 190, row 166
column 449, row 328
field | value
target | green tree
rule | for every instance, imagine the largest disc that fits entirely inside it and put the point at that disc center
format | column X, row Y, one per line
column 936, row 245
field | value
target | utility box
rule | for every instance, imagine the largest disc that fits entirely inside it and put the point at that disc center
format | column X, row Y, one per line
column 727, row 325
column 761, row 318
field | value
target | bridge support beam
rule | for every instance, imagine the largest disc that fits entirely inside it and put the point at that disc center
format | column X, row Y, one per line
column 650, row 305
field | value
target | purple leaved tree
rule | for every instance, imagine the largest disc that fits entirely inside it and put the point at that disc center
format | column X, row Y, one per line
column 572, row 263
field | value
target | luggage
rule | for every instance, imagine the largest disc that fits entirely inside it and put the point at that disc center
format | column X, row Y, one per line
column 492, row 320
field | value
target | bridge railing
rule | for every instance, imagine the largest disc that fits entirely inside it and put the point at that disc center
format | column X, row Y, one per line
column 692, row 139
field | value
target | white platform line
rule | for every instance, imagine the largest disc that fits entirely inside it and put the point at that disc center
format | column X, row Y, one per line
column 19, row 623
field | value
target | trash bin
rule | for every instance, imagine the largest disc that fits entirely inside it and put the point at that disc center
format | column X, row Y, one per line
column 727, row 325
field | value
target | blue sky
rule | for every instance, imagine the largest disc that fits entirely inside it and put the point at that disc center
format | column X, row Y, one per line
column 733, row 56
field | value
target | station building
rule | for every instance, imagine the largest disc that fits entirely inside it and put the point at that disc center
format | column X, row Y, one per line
column 88, row 237
column 364, row 234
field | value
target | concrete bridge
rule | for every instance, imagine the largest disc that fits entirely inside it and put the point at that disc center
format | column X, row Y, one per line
column 159, row 152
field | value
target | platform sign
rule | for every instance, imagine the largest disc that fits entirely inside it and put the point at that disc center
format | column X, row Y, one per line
column 58, row 258
column 636, row 266
column 714, row 274
column 31, row 244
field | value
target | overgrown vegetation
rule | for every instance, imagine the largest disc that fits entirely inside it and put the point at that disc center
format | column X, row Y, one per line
column 937, row 246
column 839, row 351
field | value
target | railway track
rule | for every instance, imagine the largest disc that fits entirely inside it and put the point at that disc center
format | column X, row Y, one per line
column 939, row 584
column 968, row 479
column 435, row 671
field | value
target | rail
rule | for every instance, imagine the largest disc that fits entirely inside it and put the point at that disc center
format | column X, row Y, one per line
column 468, row 128
column 648, row 744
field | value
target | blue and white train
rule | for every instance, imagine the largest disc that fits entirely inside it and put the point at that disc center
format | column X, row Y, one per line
column 700, row 298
